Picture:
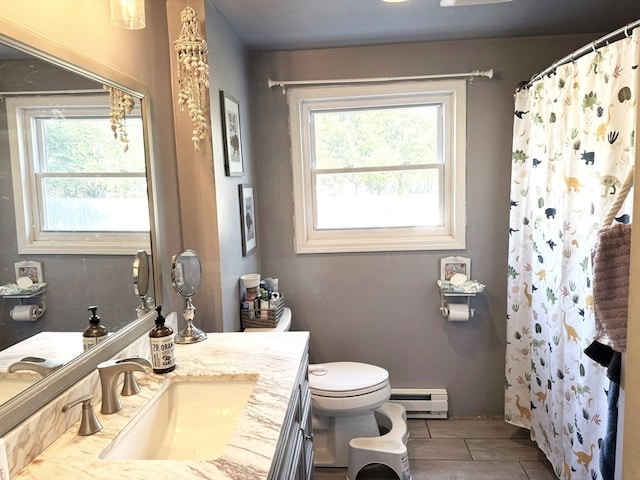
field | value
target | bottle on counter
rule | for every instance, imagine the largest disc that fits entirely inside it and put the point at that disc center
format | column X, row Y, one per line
column 95, row 332
column 163, row 358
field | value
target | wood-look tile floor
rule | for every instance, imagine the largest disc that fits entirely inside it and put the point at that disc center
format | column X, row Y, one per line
column 462, row 449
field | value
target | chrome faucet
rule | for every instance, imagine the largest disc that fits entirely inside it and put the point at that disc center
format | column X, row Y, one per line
column 110, row 373
column 89, row 423
column 36, row 364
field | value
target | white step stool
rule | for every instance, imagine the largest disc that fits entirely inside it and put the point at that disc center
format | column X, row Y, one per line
column 389, row 449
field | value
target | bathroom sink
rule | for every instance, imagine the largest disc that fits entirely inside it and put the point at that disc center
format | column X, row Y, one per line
column 10, row 386
column 191, row 418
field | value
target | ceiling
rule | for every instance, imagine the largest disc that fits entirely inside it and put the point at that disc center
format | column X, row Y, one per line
column 303, row 24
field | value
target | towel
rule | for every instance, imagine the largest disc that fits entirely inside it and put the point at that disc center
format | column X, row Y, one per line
column 610, row 259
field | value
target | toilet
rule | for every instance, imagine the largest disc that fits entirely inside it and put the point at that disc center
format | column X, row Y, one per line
column 345, row 397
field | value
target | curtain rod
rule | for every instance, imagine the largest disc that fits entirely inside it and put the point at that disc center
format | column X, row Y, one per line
column 591, row 47
column 285, row 83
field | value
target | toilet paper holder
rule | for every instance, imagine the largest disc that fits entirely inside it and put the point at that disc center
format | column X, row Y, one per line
column 445, row 302
column 40, row 304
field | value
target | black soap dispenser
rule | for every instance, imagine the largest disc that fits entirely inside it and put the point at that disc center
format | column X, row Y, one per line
column 95, row 332
column 163, row 358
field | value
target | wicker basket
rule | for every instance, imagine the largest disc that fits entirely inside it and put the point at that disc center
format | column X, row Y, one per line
column 258, row 318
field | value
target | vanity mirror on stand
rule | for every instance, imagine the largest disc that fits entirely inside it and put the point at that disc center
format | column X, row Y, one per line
column 141, row 282
column 186, row 274
column 92, row 273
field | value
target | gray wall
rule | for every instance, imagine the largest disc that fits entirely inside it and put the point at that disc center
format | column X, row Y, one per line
column 209, row 200
column 229, row 65
column 383, row 308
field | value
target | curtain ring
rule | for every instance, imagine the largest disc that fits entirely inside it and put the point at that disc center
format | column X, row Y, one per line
column 626, row 31
column 593, row 46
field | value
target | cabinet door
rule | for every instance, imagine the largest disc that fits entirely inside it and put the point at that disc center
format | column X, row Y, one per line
column 306, row 429
column 289, row 464
column 296, row 462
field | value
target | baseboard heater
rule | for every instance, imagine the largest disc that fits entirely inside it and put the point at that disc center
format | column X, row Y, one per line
column 422, row 402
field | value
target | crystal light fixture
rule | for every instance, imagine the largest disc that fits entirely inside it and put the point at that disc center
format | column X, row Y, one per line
column 128, row 14
column 193, row 73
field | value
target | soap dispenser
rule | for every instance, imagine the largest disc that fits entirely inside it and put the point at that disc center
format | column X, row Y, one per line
column 95, row 332
column 163, row 357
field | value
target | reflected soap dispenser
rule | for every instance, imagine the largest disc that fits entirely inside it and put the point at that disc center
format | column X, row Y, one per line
column 163, row 358
column 95, row 332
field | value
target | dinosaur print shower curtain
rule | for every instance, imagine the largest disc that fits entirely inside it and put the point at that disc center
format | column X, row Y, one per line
column 573, row 144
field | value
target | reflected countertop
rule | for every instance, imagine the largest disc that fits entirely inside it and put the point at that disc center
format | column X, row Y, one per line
column 274, row 357
column 60, row 346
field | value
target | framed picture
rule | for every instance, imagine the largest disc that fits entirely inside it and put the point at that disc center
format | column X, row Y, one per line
column 449, row 266
column 31, row 269
column 247, row 219
column 232, row 138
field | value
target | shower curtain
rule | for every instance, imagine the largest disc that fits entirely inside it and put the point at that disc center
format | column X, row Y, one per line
column 573, row 144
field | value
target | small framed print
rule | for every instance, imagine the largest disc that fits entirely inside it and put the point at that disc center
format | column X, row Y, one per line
column 247, row 219
column 449, row 266
column 232, row 137
column 31, row 269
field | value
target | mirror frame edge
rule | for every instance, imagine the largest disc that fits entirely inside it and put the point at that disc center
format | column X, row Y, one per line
column 19, row 408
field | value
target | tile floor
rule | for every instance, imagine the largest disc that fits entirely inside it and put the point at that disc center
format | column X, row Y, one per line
column 462, row 449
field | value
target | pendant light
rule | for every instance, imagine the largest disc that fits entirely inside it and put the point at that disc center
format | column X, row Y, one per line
column 128, row 14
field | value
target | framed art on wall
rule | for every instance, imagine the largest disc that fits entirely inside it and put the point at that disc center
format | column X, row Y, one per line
column 247, row 219
column 449, row 266
column 31, row 269
column 232, row 138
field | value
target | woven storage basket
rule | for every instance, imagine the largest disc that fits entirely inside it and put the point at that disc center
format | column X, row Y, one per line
column 259, row 318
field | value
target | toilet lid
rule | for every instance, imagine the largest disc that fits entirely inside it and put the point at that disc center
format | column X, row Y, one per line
column 338, row 378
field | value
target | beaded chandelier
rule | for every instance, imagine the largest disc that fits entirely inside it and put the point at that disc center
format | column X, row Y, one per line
column 193, row 73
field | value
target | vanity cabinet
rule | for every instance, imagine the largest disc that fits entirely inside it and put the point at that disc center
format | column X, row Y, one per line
column 295, row 461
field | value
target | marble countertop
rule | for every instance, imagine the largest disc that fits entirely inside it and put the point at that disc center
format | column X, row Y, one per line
column 274, row 357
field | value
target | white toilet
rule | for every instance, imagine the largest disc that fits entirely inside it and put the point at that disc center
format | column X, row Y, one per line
column 344, row 396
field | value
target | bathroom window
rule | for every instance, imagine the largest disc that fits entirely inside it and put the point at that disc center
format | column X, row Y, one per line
column 379, row 167
column 76, row 189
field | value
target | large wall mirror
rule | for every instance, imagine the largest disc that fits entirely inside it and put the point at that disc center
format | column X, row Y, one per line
column 75, row 208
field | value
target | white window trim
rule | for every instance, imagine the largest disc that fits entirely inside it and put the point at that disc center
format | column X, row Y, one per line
column 24, row 192
column 451, row 237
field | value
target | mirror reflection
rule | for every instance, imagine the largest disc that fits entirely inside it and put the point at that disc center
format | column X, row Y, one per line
column 186, row 274
column 141, row 270
column 75, row 212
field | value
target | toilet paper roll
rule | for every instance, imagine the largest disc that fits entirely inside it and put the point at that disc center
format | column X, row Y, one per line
column 24, row 313
column 458, row 312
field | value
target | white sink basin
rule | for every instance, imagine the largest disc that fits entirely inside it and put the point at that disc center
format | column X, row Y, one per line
column 12, row 386
column 191, row 418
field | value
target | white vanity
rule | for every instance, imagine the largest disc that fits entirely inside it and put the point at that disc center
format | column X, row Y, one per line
column 271, row 437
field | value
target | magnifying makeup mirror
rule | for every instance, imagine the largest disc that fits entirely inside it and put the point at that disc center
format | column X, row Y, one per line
column 141, row 282
column 186, row 274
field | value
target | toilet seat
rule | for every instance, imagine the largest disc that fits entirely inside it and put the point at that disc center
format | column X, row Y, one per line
column 345, row 388
column 346, row 379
